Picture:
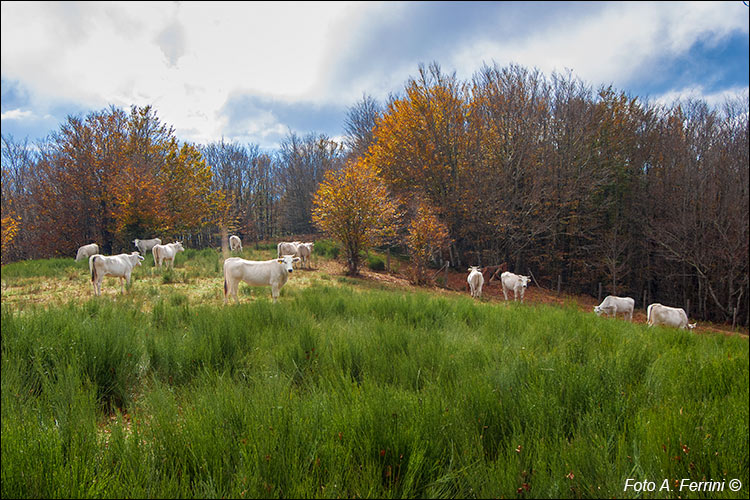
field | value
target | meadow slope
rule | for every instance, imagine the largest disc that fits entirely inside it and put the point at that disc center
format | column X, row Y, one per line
column 368, row 388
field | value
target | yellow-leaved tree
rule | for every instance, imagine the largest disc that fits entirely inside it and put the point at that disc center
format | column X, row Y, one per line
column 426, row 233
column 190, row 202
column 10, row 227
column 353, row 206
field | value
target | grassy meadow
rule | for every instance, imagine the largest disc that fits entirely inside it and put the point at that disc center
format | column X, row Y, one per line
column 350, row 388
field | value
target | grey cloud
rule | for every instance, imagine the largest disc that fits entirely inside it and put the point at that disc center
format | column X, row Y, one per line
column 245, row 111
column 434, row 31
column 171, row 41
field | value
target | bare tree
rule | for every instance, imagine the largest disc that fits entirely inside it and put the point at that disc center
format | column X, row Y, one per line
column 359, row 124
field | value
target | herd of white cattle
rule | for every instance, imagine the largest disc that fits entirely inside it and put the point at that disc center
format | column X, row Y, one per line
column 656, row 314
column 275, row 273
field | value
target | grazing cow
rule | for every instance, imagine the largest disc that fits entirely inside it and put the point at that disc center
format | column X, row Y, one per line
column 475, row 280
column 658, row 314
column 144, row 246
column 304, row 252
column 166, row 253
column 119, row 266
column 274, row 272
column 235, row 243
column 612, row 305
column 286, row 248
column 515, row 282
column 87, row 251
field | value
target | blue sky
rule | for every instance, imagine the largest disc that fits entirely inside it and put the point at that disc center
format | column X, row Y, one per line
column 253, row 71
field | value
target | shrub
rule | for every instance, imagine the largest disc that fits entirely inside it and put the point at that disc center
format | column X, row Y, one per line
column 375, row 262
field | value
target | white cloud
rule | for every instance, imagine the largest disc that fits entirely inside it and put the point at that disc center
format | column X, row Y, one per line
column 698, row 92
column 616, row 44
column 188, row 59
column 17, row 114
column 185, row 59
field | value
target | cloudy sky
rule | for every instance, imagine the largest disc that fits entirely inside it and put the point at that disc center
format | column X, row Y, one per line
column 252, row 72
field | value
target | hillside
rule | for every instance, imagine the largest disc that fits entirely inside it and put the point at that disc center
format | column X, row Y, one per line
column 492, row 292
column 347, row 387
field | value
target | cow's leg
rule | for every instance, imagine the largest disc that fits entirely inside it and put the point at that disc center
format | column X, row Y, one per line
column 505, row 293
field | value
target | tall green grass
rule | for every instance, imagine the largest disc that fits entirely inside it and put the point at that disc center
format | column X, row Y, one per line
column 55, row 267
column 339, row 391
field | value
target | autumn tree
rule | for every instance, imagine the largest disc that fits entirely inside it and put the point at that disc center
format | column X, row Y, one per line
column 425, row 234
column 190, row 202
column 353, row 206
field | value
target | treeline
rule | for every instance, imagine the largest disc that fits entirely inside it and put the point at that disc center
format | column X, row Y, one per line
column 114, row 176
column 581, row 186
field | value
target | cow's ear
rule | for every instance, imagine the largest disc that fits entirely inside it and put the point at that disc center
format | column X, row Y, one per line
column 280, row 261
column 295, row 259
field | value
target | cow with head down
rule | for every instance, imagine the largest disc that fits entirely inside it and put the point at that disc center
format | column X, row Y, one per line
column 144, row 246
column 612, row 305
column 87, row 251
column 676, row 317
column 235, row 243
column 273, row 273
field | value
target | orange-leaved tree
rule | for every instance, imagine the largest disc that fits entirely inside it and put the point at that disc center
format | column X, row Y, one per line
column 426, row 233
column 353, row 206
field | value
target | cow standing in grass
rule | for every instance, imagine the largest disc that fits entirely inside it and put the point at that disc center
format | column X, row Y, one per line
column 235, row 243
column 274, row 272
column 144, row 246
column 87, row 251
column 658, row 314
column 120, row 266
column 166, row 253
column 304, row 252
column 475, row 280
column 515, row 282
column 612, row 305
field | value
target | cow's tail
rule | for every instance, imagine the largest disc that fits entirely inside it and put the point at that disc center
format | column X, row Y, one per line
column 648, row 314
column 92, row 267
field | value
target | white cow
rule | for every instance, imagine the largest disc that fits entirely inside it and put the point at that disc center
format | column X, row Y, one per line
column 304, row 252
column 286, row 248
column 144, row 246
column 166, row 253
column 119, row 266
column 658, row 314
column 612, row 305
column 235, row 243
column 274, row 272
column 515, row 282
column 87, row 251
column 475, row 280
